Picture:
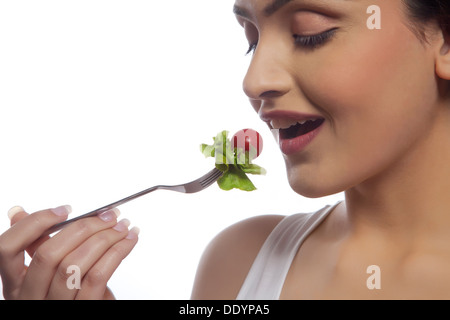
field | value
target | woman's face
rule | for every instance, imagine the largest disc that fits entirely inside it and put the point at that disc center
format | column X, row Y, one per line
column 370, row 95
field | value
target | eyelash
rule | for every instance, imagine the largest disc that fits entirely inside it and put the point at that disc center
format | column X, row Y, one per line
column 251, row 48
column 314, row 41
column 307, row 42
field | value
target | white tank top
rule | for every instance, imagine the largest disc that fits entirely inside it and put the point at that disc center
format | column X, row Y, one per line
column 266, row 277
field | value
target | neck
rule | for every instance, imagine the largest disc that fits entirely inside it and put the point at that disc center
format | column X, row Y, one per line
column 412, row 197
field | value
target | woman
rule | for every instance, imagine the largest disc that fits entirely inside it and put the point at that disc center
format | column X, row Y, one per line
column 355, row 109
column 358, row 97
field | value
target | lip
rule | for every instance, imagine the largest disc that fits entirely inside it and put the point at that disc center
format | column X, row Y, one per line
column 299, row 143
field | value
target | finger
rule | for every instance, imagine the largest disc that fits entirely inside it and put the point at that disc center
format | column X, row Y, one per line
column 50, row 254
column 30, row 227
column 83, row 258
column 107, row 296
column 94, row 284
column 16, row 214
column 25, row 230
column 11, row 287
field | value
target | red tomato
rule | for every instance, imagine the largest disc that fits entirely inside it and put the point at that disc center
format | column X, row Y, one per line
column 246, row 138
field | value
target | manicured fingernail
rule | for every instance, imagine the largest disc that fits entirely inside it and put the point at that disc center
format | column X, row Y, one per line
column 122, row 225
column 62, row 210
column 13, row 211
column 109, row 215
column 133, row 233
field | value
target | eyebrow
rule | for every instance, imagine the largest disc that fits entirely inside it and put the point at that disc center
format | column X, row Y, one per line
column 268, row 10
column 275, row 6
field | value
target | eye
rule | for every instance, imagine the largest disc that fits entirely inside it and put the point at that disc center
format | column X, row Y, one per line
column 314, row 41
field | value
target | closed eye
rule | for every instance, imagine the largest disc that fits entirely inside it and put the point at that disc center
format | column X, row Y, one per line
column 314, row 41
column 307, row 42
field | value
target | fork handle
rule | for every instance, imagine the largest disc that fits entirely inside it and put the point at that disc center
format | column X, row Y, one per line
column 110, row 206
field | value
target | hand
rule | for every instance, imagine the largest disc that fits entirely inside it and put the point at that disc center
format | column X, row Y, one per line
column 96, row 245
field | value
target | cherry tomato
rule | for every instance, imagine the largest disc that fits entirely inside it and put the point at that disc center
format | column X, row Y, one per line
column 244, row 139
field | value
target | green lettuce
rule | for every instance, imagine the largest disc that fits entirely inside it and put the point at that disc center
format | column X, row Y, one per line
column 235, row 164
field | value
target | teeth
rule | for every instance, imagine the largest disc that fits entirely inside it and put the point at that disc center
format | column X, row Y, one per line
column 282, row 123
column 286, row 123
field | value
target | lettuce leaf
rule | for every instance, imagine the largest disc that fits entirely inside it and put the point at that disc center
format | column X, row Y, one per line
column 235, row 164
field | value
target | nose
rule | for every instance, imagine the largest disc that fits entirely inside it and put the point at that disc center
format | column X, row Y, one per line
column 267, row 76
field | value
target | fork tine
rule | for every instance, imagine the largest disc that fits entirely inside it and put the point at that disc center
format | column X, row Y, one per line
column 211, row 178
column 202, row 182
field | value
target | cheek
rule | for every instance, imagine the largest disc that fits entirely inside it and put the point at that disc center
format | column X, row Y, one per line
column 372, row 75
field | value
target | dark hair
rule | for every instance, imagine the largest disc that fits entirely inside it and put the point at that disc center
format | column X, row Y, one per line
column 423, row 12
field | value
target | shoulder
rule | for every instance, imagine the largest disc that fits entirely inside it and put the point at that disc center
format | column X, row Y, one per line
column 229, row 256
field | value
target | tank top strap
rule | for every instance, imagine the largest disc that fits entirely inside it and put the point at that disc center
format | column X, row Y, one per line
column 266, row 277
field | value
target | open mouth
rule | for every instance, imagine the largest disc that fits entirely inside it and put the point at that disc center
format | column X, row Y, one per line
column 300, row 129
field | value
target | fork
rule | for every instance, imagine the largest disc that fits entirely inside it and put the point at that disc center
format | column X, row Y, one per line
column 191, row 187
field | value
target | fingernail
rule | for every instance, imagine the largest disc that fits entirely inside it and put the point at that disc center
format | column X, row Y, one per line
column 109, row 215
column 13, row 211
column 133, row 234
column 62, row 210
column 122, row 225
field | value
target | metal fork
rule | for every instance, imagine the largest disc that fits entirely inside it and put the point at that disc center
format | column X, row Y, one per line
column 191, row 187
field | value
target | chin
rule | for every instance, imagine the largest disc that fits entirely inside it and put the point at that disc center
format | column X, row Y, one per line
column 312, row 192
column 312, row 186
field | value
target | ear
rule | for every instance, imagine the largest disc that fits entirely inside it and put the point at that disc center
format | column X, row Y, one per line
column 443, row 57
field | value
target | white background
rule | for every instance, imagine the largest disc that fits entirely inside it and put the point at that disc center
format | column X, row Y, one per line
column 100, row 99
